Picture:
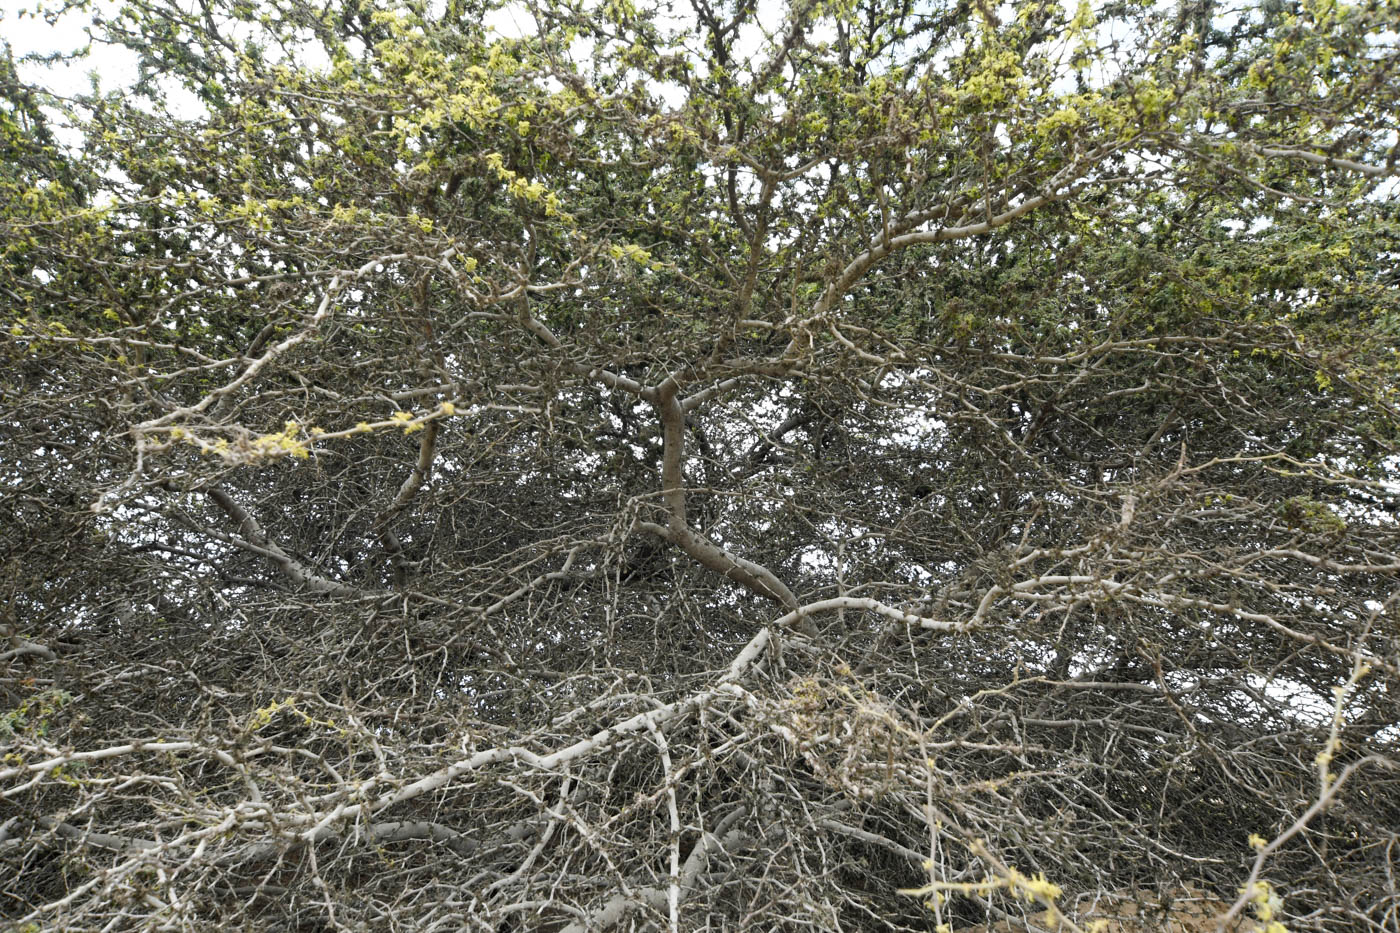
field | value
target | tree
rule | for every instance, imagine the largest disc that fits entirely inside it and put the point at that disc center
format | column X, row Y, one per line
column 853, row 466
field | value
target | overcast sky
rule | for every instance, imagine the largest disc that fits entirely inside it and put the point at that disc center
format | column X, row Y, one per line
column 27, row 33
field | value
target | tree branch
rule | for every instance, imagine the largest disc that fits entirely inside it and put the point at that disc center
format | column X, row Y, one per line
column 291, row 568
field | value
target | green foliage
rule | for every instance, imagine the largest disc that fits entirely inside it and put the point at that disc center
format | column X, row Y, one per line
column 34, row 715
column 1314, row 518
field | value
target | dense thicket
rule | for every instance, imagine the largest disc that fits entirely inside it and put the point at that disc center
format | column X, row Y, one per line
column 720, row 467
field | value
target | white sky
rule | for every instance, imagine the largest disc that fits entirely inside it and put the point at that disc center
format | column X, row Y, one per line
column 27, row 33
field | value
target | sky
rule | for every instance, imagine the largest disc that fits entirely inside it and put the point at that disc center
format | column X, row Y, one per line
column 27, row 33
